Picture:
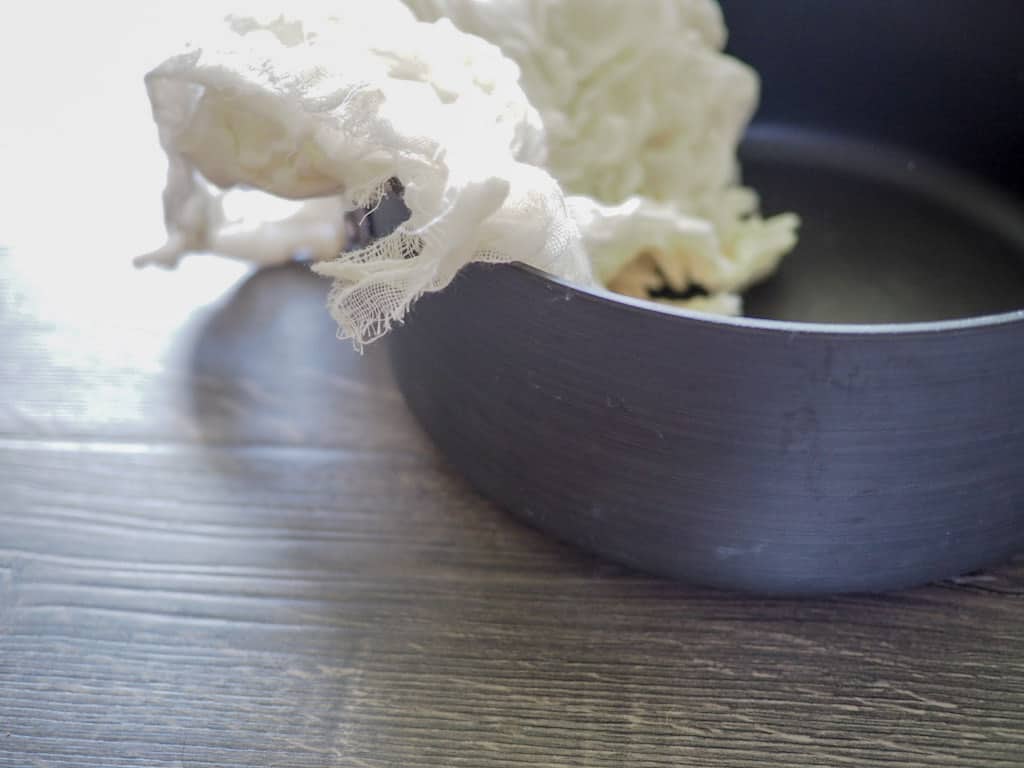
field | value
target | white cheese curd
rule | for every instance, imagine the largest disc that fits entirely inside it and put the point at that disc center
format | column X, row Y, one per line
column 590, row 141
column 644, row 113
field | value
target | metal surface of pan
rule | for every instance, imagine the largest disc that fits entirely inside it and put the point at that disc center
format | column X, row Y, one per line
column 863, row 428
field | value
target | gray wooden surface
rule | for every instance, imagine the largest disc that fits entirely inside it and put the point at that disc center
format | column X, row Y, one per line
column 224, row 542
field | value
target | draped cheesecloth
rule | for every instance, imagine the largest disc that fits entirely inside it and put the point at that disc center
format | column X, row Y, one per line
column 616, row 165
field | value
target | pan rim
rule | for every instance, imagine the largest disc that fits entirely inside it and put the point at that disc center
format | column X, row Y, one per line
column 775, row 327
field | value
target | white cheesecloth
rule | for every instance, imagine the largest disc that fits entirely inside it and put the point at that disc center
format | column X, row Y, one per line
column 594, row 140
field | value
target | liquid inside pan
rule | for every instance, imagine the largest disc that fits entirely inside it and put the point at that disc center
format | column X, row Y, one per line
column 862, row 429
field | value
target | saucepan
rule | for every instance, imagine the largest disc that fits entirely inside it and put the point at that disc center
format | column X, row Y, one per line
column 861, row 428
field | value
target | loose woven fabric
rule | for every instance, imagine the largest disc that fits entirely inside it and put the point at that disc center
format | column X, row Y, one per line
column 328, row 107
column 322, row 105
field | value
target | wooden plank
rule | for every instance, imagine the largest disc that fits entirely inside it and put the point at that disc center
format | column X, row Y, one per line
column 224, row 542
column 210, row 354
column 256, row 605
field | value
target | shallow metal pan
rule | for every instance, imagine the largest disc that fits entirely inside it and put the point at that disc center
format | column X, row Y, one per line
column 863, row 428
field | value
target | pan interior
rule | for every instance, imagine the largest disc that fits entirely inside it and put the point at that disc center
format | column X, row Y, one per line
column 887, row 236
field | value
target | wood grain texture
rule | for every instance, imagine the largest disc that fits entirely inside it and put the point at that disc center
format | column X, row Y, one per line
column 223, row 542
